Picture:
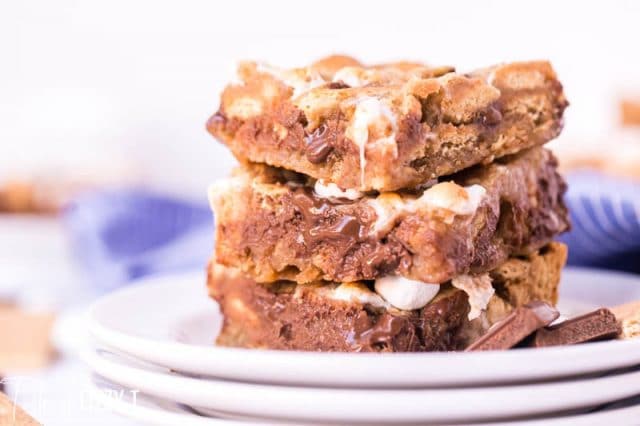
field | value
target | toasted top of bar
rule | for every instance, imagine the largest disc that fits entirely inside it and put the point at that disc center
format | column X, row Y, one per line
column 386, row 127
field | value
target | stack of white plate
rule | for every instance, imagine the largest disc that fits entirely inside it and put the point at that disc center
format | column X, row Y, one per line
column 155, row 353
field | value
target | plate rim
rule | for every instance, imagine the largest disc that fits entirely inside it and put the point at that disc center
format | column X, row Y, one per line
column 393, row 403
column 124, row 409
column 153, row 350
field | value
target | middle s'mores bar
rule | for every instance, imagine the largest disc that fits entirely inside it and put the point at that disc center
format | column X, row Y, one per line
column 276, row 225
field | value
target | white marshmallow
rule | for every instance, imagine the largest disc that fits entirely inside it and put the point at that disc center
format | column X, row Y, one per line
column 479, row 290
column 369, row 111
column 390, row 207
column 404, row 293
column 301, row 80
column 455, row 198
column 349, row 76
column 331, row 190
column 357, row 292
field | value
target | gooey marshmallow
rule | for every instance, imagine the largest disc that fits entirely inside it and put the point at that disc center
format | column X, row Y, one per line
column 301, row 80
column 390, row 207
column 357, row 292
column 479, row 290
column 406, row 294
column 331, row 190
column 370, row 111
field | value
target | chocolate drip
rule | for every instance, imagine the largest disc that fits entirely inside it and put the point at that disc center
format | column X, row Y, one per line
column 319, row 144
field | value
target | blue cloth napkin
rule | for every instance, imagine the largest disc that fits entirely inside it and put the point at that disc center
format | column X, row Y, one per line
column 121, row 236
column 605, row 217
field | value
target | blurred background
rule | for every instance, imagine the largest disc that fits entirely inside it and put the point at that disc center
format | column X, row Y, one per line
column 120, row 90
column 105, row 162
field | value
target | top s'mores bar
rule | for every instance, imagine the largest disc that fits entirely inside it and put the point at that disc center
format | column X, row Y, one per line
column 386, row 127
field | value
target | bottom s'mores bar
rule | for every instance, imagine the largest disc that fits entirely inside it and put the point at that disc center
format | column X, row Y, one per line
column 367, row 317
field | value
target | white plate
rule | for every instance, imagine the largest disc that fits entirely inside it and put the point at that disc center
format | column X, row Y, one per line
column 146, row 409
column 170, row 321
column 156, row 411
column 364, row 405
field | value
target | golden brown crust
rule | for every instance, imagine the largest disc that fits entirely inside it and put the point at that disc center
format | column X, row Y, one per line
column 386, row 127
column 629, row 317
column 273, row 227
column 301, row 317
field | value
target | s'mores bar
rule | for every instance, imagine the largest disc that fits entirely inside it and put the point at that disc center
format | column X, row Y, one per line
column 274, row 225
column 353, row 317
column 22, row 197
column 630, row 111
column 387, row 208
column 386, row 127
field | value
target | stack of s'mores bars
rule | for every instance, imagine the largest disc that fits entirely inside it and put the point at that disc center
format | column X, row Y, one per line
column 395, row 207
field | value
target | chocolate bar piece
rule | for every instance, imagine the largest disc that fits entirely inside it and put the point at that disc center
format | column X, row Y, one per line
column 597, row 325
column 516, row 327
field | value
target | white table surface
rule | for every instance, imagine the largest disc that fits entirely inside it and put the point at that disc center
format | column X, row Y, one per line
column 38, row 273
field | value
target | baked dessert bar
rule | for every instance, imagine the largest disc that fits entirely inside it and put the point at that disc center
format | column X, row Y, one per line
column 630, row 111
column 386, row 127
column 276, row 225
column 353, row 317
column 20, row 197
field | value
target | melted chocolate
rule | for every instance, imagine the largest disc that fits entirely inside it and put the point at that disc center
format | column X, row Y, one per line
column 384, row 330
column 319, row 144
column 317, row 213
column 370, row 333
column 338, row 85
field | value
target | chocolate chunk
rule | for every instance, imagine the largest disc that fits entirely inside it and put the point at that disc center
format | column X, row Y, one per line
column 338, row 85
column 597, row 325
column 319, row 144
column 343, row 231
column 491, row 117
column 383, row 331
column 217, row 119
column 346, row 228
column 513, row 329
